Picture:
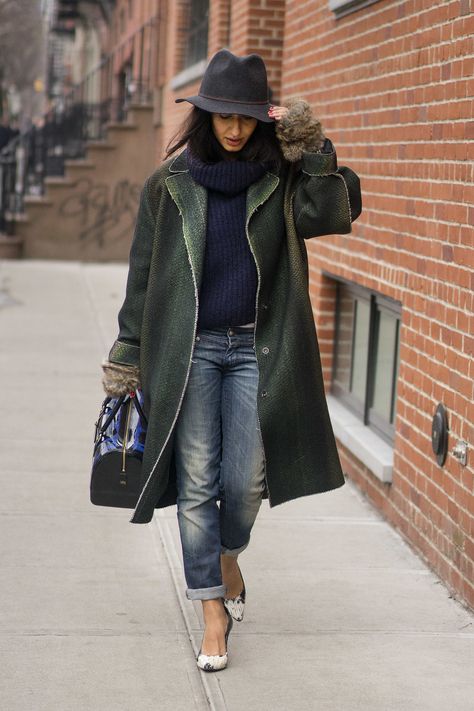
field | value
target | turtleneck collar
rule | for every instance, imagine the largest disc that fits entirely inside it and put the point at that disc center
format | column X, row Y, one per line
column 229, row 177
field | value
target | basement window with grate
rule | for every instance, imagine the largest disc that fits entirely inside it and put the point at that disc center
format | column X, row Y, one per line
column 366, row 358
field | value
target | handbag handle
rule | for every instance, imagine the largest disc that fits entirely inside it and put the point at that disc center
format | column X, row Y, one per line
column 113, row 412
column 139, row 408
column 121, row 401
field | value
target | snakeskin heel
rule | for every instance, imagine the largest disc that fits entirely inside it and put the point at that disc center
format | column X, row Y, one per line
column 236, row 605
column 216, row 662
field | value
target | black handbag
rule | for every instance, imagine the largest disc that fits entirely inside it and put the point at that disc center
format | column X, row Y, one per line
column 119, row 441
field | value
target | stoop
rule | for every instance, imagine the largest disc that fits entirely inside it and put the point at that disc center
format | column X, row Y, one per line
column 89, row 213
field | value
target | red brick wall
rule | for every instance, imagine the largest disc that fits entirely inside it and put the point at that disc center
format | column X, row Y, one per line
column 391, row 84
column 257, row 26
column 219, row 25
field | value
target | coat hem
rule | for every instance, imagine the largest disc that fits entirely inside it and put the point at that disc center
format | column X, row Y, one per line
column 278, row 502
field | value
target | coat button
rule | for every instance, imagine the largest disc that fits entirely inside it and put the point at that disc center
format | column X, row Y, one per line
column 263, row 393
column 265, row 350
column 265, row 306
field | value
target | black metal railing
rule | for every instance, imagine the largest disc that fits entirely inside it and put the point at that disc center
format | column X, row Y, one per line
column 123, row 78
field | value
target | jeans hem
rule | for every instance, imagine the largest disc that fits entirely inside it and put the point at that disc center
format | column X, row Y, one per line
column 206, row 593
column 233, row 552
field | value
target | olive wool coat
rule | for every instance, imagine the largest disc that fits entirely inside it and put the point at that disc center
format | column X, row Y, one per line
column 157, row 321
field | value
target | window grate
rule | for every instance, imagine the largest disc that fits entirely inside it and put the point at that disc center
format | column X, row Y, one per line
column 367, row 356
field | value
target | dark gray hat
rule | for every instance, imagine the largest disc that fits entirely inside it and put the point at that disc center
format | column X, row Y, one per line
column 234, row 85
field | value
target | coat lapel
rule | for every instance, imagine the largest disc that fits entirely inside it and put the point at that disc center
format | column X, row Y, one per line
column 257, row 194
column 191, row 201
column 260, row 191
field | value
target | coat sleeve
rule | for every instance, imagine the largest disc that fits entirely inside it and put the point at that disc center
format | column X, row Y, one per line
column 327, row 199
column 126, row 349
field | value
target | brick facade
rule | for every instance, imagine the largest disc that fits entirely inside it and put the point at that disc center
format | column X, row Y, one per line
column 393, row 85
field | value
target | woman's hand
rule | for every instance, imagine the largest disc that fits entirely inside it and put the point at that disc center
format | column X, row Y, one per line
column 277, row 112
column 119, row 379
column 297, row 129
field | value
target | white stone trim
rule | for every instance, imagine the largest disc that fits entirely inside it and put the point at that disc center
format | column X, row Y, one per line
column 188, row 75
column 373, row 451
column 344, row 7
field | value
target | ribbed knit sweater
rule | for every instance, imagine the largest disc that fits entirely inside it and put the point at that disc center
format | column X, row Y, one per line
column 229, row 280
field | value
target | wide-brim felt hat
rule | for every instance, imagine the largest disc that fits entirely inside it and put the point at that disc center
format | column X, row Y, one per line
column 234, row 85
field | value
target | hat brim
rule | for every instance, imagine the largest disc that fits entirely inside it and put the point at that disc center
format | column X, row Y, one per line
column 216, row 106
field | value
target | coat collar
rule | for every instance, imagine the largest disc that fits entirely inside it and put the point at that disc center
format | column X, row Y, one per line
column 191, row 201
column 178, row 164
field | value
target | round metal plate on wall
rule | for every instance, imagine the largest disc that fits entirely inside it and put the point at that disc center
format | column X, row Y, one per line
column 439, row 434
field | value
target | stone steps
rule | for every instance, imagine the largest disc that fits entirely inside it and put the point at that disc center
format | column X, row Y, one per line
column 89, row 213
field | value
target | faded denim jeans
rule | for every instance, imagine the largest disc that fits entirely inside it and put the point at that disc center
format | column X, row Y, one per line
column 219, row 457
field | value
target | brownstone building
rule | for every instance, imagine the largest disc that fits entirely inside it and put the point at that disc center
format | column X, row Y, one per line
column 392, row 82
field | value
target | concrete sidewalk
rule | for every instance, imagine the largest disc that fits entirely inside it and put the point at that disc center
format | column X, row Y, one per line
column 341, row 614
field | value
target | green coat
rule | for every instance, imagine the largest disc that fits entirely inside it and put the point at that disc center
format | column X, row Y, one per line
column 158, row 318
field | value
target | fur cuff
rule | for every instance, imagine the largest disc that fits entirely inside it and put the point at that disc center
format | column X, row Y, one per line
column 119, row 379
column 299, row 131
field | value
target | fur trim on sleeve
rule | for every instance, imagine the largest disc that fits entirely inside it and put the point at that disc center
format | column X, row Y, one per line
column 299, row 131
column 119, row 379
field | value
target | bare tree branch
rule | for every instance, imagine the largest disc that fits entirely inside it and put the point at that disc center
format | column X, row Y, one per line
column 21, row 42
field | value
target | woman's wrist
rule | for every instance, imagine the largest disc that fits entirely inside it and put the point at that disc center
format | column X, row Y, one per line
column 119, row 379
column 298, row 131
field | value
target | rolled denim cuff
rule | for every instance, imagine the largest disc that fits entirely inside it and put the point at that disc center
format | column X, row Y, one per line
column 206, row 593
column 233, row 552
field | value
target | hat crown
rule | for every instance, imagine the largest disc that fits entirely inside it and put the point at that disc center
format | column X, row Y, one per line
column 234, row 85
column 235, row 79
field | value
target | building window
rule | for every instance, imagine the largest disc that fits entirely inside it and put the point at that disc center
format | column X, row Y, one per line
column 344, row 7
column 367, row 356
column 198, row 28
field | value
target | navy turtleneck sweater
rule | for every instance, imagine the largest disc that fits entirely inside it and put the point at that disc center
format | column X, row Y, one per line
column 229, row 280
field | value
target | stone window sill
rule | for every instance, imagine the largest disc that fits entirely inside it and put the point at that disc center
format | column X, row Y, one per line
column 188, row 75
column 361, row 441
column 341, row 8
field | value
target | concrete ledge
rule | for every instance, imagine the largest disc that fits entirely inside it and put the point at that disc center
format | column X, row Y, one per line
column 364, row 444
column 79, row 163
column 117, row 126
column 58, row 182
column 140, row 107
column 35, row 200
column 188, row 75
column 10, row 247
column 101, row 145
column 341, row 8
column 16, row 217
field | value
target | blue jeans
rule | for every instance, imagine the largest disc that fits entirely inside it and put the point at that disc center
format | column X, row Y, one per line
column 219, row 457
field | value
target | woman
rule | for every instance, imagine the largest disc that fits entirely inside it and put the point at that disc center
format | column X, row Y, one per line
column 217, row 327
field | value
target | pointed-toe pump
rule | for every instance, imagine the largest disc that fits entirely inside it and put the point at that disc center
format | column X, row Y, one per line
column 216, row 662
column 236, row 605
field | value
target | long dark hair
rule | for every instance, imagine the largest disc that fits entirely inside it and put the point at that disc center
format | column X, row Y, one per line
column 196, row 131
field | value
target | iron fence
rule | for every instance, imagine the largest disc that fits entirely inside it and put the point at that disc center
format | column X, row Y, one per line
column 123, row 78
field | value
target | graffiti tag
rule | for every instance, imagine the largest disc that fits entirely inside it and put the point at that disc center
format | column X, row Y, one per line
column 105, row 213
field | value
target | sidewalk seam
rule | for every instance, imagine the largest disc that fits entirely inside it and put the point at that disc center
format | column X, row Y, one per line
column 210, row 682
